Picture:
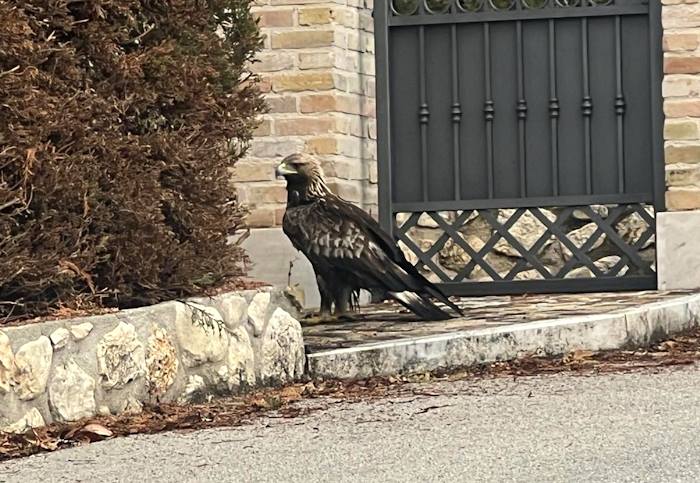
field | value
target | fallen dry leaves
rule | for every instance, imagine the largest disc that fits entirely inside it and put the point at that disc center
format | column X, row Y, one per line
column 283, row 402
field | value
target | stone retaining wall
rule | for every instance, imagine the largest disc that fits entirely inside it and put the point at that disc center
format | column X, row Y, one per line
column 69, row 369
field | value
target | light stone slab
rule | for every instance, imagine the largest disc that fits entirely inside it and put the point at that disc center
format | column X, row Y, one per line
column 678, row 253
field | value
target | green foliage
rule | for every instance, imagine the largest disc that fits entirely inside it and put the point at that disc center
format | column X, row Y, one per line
column 120, row 121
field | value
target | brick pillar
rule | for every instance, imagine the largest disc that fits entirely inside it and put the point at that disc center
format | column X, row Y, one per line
column 318, row 71
column 678, row 230
column 681, row 90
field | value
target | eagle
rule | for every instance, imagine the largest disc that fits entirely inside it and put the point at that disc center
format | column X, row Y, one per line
column 348, row 249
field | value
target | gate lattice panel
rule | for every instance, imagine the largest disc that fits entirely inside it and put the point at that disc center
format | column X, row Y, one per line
column 520, row 141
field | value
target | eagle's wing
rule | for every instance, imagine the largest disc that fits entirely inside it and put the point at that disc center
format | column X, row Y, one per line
column 294, row 225
column 392, row 250
column 346, row 238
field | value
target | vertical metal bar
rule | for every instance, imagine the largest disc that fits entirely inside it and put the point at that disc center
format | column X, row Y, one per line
column 619, row 107
column 456, row 114
column 423, row 113
column 489, row 111
column 381, row 36
column 657, row 115
column 553, row 108
column 521, row 109
column 586, row 106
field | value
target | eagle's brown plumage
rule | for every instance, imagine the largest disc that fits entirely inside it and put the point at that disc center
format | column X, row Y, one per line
column 347, row 248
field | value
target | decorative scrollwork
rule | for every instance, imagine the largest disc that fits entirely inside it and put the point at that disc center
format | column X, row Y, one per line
column 585, row 3
column 620, row 105
column 521, row 109
column 456, row 113
column 532, row 4
column 423, row 114
column 404, row 7
column 554, row 108
column 489, row 110
column 502, row 4
column 587, row 106
column 470, row 5
column 436, row 7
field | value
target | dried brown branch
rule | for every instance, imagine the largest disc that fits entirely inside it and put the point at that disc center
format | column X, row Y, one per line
column 114, row 173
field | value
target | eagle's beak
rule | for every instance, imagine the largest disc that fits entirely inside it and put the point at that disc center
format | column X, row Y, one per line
column 283, row 170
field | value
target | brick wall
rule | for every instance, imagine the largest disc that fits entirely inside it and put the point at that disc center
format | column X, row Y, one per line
column 681, row 90
column 318, row 71
column 318, row 66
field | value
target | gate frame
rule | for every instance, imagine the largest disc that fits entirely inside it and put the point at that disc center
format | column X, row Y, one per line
column 386, row 214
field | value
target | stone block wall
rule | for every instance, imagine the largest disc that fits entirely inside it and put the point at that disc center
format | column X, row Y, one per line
column 681, row 90
column 318, row 72
column 65, row 370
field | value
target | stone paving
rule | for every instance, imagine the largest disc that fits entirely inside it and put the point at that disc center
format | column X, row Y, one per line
column 387, row 321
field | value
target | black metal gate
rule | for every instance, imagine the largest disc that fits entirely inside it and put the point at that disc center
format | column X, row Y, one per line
column 520, row 141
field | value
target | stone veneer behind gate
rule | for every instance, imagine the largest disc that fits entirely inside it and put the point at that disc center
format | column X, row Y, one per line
column 66, row 370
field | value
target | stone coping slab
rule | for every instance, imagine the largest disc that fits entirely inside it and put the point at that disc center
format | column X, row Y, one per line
column 386, row 323
column 65, row 370
column 498, row 329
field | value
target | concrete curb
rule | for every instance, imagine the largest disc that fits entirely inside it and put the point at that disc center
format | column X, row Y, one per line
column 625, row 328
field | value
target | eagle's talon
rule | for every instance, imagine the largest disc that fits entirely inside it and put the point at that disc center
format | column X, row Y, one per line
column 312, row 320
column 323, row 314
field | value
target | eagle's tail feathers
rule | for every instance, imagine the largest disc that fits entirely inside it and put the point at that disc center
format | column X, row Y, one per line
column 437, row 293
column 415, row 283
column 427, row 286
column 420, row 306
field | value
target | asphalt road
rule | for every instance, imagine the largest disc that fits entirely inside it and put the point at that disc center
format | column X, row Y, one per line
column 613, row 428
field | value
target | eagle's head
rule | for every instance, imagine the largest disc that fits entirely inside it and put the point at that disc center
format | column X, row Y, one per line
column 299, row 168
column 304, row 177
